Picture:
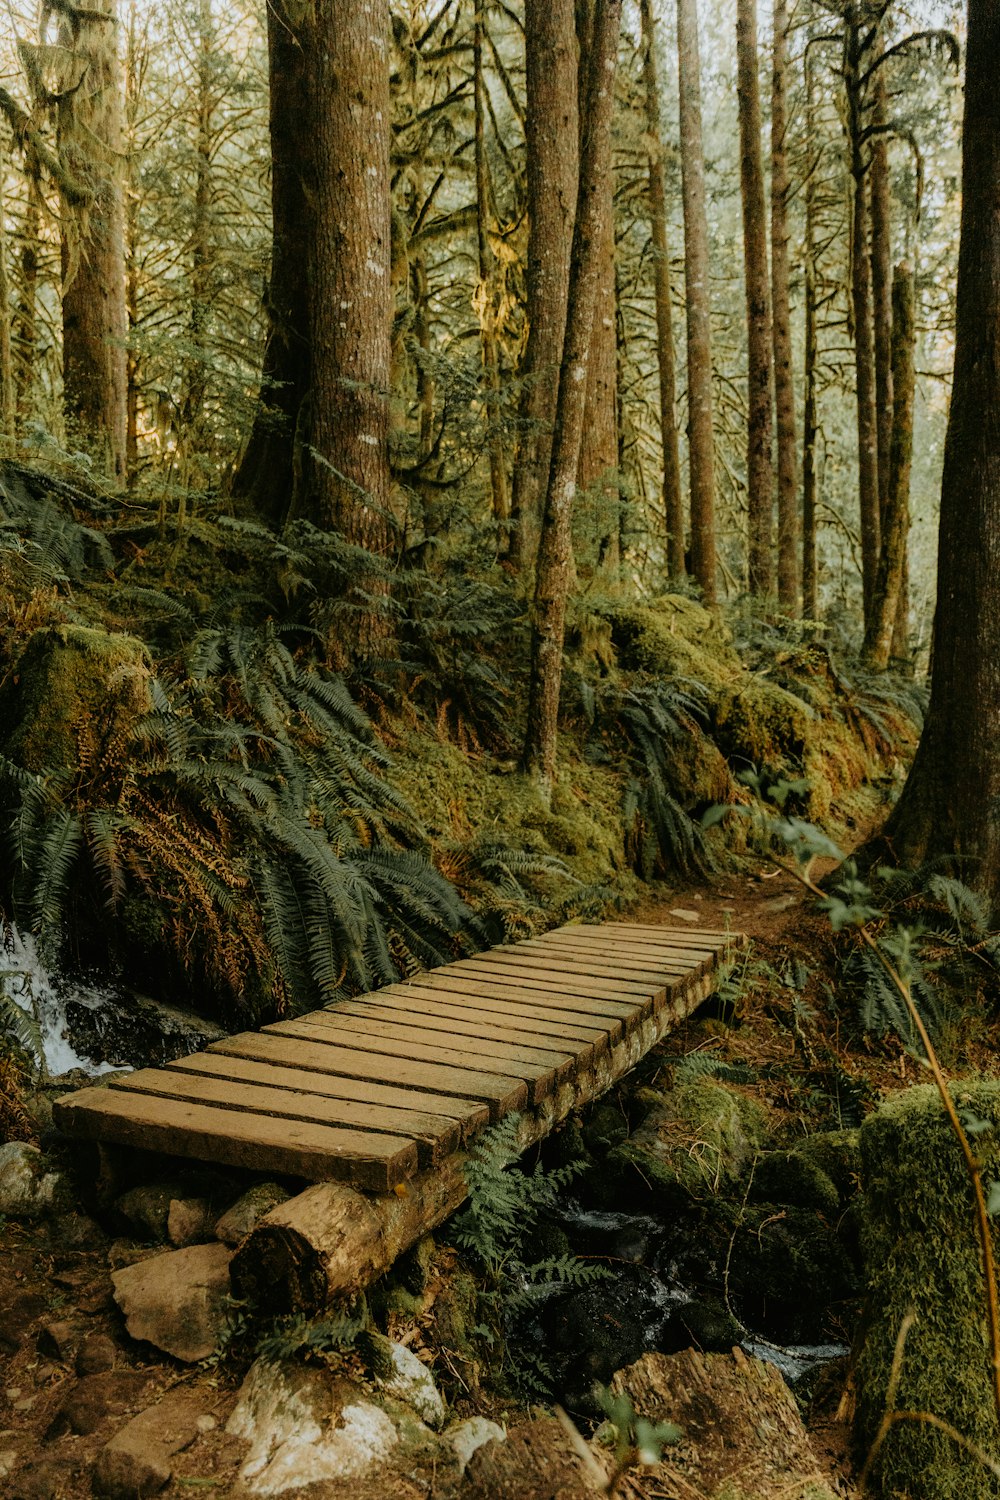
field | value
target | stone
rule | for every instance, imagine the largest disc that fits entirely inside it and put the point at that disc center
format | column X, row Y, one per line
column 29, row 1188
column 189, row 1221
column 177, row 1301
column 238, row 1220
column 147, row 1208
column 137, row 1460
column 96, row 1354
column 471, row 1434
column 59, row 1339
column 410, row 1381
column 306, row 1425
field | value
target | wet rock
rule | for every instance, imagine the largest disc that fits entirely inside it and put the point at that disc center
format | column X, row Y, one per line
column 787, row 1267
column 138, row 1031
column 177, row 1300
column 237, row 1222
column 96, row 1354
column 305, row 1425
column 29, row 1187
column 468, row 1436
column 137, row 1460
column 605, row 1128
column 710, row 1325
column 190, row 1221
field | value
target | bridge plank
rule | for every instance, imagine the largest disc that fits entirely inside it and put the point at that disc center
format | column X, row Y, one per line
column 450, row 1019
column 413, row 1029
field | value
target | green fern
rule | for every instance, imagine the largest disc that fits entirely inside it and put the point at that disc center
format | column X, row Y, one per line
column 296, row 1337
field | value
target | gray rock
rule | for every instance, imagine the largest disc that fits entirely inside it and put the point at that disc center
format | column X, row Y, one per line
column 467, row 1436
column 29, row 1188
column 129, row 1473
column 189, row 1221
column 410, row 1381
column 237, row 1222
column 147, row 1208
column 177, row 1300
column 306, row 1425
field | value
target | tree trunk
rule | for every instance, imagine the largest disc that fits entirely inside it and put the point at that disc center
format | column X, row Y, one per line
column 555, row 553
column 95, row 323
column 487, row 288
column 810, row 436
column 598, row 465
column 784, row 388
column 200, row 239
column 950, row 806
column 350, row 289
column 551, row 127
column 864, row 330
column 26, row 318
column 274, row 469
column 8, row 402
column 760, row 472
column 895, row 518
column 882, row 283
column 701, row 441
column 673, row 501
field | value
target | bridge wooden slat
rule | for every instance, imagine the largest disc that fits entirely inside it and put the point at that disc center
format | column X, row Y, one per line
column 500, row 1094
column 468, row 1115
column 614, row 1000
column 451, row 1020
column 645, row 996
column 633, row 948
column 539, row 1077
column 434, row 1136
column 508, row 1006
column 684, row 936
column 626, row 961
column 650, row 980
column 410, row 1029
column 376, row 1162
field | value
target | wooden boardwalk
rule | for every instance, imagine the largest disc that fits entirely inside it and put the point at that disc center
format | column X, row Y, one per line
column 371, row 1090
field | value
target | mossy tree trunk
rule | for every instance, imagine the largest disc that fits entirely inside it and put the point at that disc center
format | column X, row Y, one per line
column 950, row 806
column 552, row 169
column 784, row 385
column 487, row 285
column 7, row 391
column 896, row 515
column 94, row 317
column 698, row 302
column 760, row 399
column 555, row 553
column 673, row 500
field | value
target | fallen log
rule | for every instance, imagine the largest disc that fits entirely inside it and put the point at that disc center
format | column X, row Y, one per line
column 333, row 1241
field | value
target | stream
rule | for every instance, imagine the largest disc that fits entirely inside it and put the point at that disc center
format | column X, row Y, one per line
column 47, row 999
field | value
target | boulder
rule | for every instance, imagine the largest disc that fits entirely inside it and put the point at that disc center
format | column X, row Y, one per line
column 190, row 1221
column 178, row 1300
column 29, row 1188
column 147, row 1208
column 407, row 1379
column 466, row 1437
column 238, row 1220
column 137, row 1460
column 305, row 1425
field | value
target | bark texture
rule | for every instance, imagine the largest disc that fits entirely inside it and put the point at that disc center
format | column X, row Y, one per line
column 760, row 472
column 882, row 282
column 950, row 805
column 94, row 317
column 673, row 500
column 896, row 514
column 487, row 284
column 555, row 552
column 863, row 320
column 784, row 387
column 551, row 126
column 350, row 289
column 272, row 473
column 701, row 442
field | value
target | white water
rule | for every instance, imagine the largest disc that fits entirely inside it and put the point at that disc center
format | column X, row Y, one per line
column 43, row 994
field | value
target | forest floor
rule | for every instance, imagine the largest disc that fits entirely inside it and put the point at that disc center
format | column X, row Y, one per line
column 70, row 1376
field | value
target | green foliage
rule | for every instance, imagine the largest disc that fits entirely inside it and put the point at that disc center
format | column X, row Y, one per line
column 697, row 1065
column 298, row 1337
column 631, row 1433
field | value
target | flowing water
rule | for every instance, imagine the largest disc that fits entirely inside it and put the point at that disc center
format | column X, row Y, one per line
column 45, row 995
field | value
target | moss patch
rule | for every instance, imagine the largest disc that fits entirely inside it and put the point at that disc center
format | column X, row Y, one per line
column 921, row 1253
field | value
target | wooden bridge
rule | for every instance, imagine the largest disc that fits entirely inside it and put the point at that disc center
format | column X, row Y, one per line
column 373, row 1091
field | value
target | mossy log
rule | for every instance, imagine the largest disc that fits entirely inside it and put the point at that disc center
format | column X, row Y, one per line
column 922, row 1255
column 332, row 1240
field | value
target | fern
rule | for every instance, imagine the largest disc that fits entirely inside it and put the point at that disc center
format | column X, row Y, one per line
column 296, row 1337
column 698, row 1065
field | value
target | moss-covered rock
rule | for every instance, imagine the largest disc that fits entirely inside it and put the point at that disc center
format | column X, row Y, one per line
column 674, row 637
column 790, row 1177
column 74, row 698
column 697, row 1141
column 922, row 1255
column 837, row 1153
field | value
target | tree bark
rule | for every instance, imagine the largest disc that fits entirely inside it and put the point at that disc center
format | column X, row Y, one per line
column 810, row 437
column 882, row 284
column 760, row 472
column 673, row 500
column 350, row 289
column 95, row 322
column 555, row 552
column 8, row 395
column 895, row 518
column 598, row 466
column 26, row 317
column 863, row 321
column 950, row 806
column 701, row 441
column 487, row 287
column 273, row 472
column 551, row 129
column 784, row 387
